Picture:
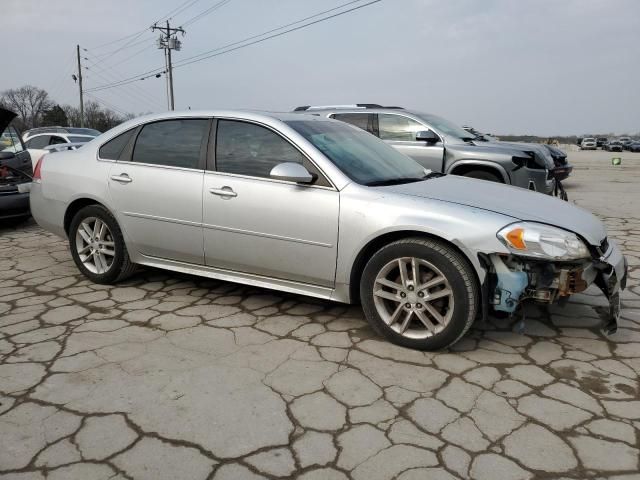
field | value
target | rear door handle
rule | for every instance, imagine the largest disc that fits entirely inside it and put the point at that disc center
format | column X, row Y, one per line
column 223, row 192
column 122, row 178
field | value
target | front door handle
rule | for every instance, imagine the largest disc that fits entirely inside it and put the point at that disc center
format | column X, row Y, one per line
column 223, row 192
column 122, row 178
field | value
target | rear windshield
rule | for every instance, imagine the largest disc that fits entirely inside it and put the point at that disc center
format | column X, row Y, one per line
column 73, row 139
column 84, row 131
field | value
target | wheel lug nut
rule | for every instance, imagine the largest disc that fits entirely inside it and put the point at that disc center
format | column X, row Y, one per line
column 402, row 294
column 420, row 294
column 408, row 305
column 411, row 288
column 418, row 305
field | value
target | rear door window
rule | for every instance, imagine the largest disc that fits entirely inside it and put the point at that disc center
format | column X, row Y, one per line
column 174, row 143
column 365, row 121
column 114, row 148
column 398, row 127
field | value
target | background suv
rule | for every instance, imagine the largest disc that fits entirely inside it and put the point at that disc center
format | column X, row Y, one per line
column 442, row 146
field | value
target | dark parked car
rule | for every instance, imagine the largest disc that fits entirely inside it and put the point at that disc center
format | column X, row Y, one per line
column 634, row 146
column 15, row 171
column 601, row 142
column 613, row 146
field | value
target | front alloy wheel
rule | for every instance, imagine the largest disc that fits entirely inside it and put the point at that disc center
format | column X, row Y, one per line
column 419, row 293
column 413, row 297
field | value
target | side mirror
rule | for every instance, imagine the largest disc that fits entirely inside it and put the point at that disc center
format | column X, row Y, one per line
column 427, row 136
column 291, row 172
column 6, row 155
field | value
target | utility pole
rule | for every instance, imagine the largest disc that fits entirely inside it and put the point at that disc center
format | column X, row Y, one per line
column 168, row 42
column 80, row 85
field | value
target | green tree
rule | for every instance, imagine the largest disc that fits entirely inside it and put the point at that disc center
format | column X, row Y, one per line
column 55, row 116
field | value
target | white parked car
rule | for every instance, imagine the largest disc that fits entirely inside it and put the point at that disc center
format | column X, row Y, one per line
column 40, row 144
column 589, row 143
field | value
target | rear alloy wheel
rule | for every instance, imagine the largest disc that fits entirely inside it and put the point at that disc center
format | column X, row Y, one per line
column 97, row 246
column 419, row 293
column 483, row 175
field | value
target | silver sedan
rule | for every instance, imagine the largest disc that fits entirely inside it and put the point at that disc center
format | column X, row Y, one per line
column 318, row 207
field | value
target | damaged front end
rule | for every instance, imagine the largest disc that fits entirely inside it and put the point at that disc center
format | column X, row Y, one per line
column 535, row 275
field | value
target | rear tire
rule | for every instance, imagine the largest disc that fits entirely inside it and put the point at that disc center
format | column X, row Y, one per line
column 428, row 307
column 97, row 246
column 483, row 175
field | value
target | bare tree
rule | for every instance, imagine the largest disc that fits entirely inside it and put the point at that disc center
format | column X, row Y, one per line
column 95, row 116
column 28, row 102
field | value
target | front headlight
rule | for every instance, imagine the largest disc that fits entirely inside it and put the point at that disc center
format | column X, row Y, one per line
column 537, row 240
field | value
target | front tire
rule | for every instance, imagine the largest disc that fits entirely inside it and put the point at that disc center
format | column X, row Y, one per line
column 419, row 293
column 98, row 247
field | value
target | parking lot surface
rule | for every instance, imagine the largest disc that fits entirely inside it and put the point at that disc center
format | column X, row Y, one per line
column 168, row 376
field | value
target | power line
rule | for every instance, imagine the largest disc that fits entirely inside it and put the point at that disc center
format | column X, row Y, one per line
column 181, row 8
column 339, row 7
column 97, row 47
column 206, row 12
column 210, row 54
column 107, row 104
column 139, row 94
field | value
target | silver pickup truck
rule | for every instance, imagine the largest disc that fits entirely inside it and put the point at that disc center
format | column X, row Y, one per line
column 442, row 146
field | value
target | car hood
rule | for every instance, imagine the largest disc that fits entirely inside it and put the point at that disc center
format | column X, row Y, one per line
column 515, row 202
column 542, row 155
column 5, row 118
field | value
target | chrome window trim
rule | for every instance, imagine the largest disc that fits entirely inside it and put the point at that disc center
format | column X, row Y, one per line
column 289, row 141
column 168, row 167
column 271, row 180
column 142, row 125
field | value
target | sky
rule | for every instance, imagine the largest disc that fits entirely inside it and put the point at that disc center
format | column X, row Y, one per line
column 541, row 67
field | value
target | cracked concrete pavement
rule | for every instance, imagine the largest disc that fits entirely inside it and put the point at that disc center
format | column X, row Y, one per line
column 168, row 376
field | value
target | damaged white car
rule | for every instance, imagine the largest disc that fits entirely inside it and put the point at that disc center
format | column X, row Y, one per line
column 315, row 206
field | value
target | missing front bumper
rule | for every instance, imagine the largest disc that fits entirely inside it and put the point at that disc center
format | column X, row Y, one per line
column 513, row 280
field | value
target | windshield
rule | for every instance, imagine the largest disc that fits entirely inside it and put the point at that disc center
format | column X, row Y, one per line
column 10, row 140
column 73, row 139
column 445, row 126
column 362, row 157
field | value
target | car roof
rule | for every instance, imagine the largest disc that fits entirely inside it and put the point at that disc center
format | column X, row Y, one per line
column 40, row 134
column 251, row 115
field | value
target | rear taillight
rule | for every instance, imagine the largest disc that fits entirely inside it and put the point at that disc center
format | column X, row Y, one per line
column 36, row 171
